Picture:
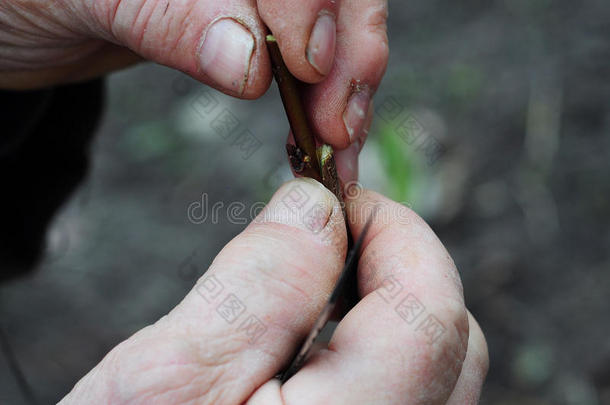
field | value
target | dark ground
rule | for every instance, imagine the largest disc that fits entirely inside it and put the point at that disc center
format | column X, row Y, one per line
column 519, row 94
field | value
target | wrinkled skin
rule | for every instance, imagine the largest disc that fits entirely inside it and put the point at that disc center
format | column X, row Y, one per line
column 282, row 269
column 45, row 42
column 410, row 340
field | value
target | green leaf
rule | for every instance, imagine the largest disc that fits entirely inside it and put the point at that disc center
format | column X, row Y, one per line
column 399, row 168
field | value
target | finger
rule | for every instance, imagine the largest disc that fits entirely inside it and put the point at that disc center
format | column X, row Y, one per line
column 280, row 273
column 220, row 43
column 268, row 394
column 338, row 105
column 347, row 159
column 241, row 323
column 306, row 32
column 468, row 388
column 406, row 340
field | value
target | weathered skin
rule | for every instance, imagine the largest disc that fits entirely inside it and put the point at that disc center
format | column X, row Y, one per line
column 45, row 42
column 278, row 268
column 282, row 268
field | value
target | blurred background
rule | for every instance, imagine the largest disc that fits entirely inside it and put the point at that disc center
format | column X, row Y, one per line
column 493, row 123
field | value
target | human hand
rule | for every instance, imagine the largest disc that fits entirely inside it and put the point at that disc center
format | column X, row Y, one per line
column 410, row 340
column 339, row 47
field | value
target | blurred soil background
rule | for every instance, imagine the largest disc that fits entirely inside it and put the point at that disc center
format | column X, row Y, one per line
column 493, row 123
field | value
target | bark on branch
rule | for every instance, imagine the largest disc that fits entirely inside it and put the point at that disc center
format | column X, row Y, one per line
column 305, row 159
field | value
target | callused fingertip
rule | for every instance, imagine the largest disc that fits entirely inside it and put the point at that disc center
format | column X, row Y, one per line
column 302, row 203
column 322, row 43
column 226, row 53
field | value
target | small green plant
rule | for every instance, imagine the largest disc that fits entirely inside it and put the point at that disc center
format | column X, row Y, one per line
column 404, row 169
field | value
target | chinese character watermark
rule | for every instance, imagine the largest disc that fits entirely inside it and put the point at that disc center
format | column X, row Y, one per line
column 410, row 130
column 411, row 310
column 221, row 121
column 230, row 308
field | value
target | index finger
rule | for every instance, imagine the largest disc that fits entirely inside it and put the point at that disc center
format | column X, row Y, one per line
column 406, row 340
column 338, row 105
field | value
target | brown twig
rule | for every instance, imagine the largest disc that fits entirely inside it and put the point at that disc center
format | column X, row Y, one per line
column 305, row 159
column 305, row 151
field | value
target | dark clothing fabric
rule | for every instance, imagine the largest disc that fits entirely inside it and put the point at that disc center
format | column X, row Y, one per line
column 44, row 141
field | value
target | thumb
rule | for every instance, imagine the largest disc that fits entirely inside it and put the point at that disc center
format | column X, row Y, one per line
column 220, row 43
column 240, row 324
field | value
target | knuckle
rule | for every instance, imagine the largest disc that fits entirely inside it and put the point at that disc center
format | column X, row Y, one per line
column 289, row 261
column 145, row 25
column 263, row 270
column 441, row 360
column 126, row 21
column 137, row 368
column 453, row 344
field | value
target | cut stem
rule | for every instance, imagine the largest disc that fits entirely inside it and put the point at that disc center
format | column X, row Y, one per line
column 291, row 98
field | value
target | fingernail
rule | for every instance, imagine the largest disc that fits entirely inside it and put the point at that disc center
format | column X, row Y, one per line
column 347, row 162
column 321, row 47
column 225, row 54
column 354, row 115
column 302, row 203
